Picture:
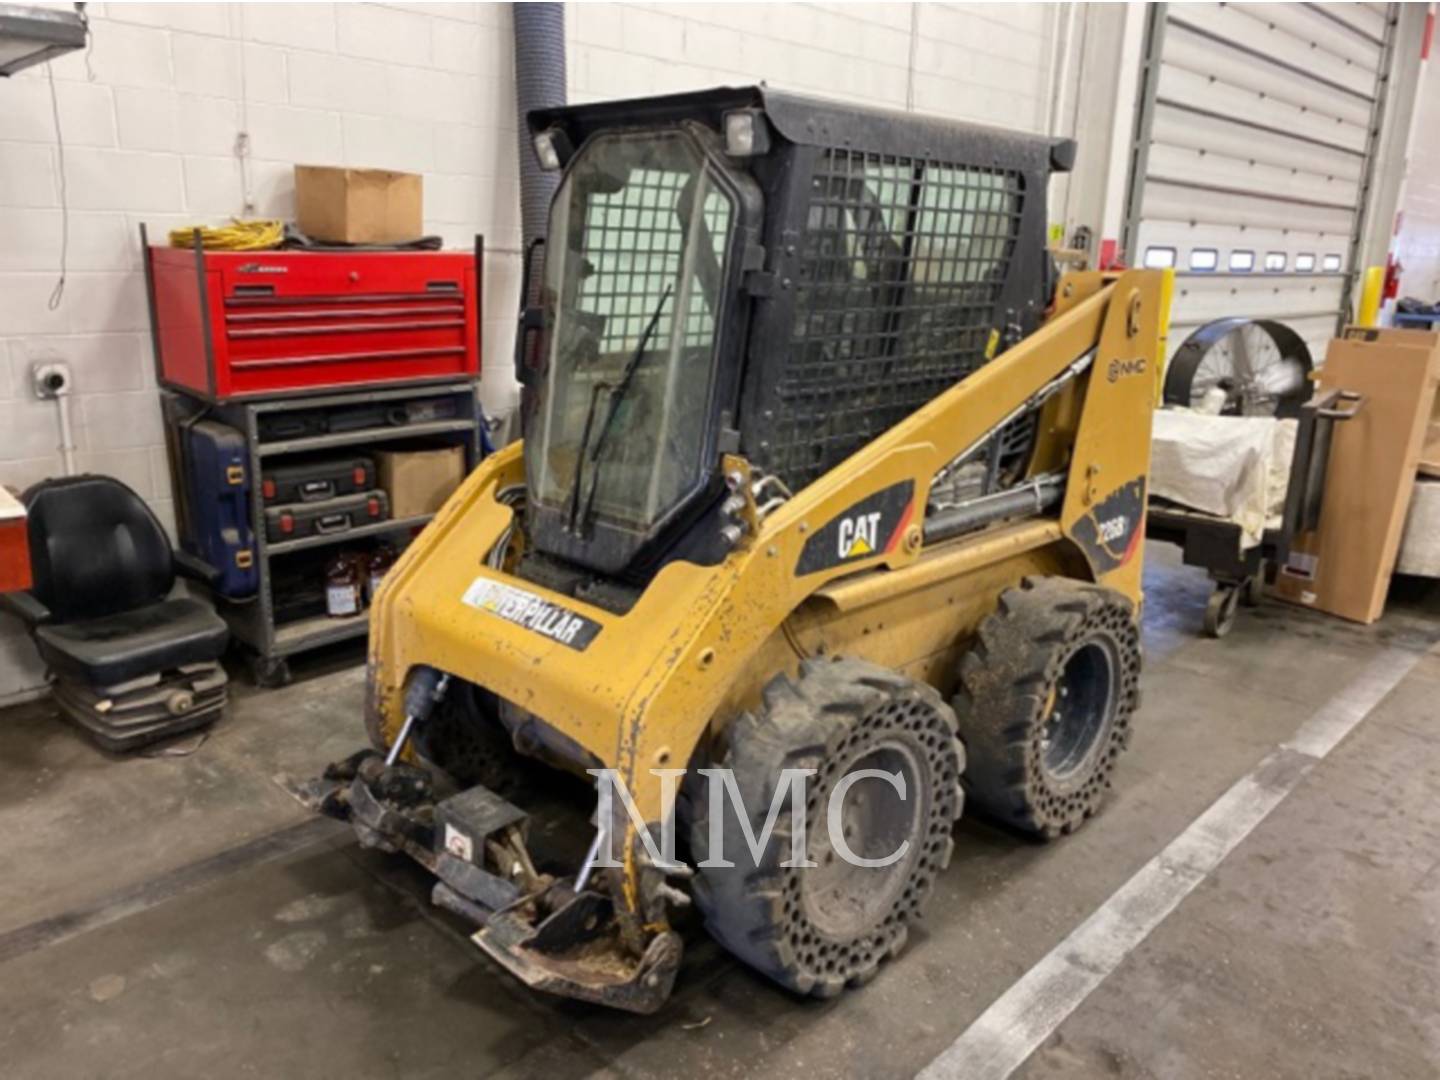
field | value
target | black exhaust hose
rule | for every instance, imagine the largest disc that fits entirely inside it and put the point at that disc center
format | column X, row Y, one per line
column 539, row 84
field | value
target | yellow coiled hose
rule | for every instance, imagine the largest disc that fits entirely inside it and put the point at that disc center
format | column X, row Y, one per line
column 237, row 236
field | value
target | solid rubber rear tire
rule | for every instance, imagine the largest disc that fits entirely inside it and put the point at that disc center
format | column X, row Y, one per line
column 1008, row 694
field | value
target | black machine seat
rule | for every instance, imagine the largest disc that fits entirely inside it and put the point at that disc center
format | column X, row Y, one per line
column 95, row 548
column 116, row 648
column 103, row 569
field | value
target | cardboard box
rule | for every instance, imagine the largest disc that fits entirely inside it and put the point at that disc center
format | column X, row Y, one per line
column 419, row 481
column 358, row 206
column 1424, row 339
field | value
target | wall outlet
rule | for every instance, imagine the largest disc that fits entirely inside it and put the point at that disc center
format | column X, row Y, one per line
column 51, row 380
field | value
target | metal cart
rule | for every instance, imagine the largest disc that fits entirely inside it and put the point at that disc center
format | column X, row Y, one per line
column 252, row 620
column 1416, row 320
column 1214, row 544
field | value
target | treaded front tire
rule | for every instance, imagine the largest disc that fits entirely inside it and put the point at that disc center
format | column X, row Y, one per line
column 818, row 929
column 1044, row 701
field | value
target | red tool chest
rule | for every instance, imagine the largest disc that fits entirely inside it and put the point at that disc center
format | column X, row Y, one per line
column 258, row 324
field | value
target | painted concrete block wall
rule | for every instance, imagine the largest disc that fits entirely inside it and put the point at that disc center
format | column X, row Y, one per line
column 985, row 62
column 150, row 118
column 151, row 114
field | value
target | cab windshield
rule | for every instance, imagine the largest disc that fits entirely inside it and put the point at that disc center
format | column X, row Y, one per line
column 633, row 273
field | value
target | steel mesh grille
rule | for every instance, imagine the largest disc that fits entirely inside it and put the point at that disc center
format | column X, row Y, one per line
column 634, row 242
column 900, row 273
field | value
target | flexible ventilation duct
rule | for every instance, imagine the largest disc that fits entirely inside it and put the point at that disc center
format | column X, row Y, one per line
column 539, row 84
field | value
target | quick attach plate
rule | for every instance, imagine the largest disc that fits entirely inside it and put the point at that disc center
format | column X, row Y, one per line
column 465, row 821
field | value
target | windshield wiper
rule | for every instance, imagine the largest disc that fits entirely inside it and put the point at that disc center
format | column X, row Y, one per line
column 617, row 398
column 574, row 511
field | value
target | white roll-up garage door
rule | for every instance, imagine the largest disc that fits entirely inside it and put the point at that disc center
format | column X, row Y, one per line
column 1251, row 165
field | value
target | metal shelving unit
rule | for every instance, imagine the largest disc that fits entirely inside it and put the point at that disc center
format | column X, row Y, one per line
column 284, row 547
column 312, row 443
column 317, row 630
column 252, row 619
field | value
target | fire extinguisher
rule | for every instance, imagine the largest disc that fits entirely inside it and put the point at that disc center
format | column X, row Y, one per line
column 1393, row 269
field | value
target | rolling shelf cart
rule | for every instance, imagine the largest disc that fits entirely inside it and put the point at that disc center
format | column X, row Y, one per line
column 252, row 619
column 1214, row 544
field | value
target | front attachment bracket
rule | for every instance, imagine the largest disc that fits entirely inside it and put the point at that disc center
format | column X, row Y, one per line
column 535, row 925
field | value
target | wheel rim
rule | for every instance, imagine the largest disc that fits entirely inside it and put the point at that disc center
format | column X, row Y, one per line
column 1078, row 710
column 842, row 899
column 836, row 928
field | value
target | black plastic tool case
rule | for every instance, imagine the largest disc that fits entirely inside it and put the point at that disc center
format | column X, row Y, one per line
column 316, row 480
column 330, row 517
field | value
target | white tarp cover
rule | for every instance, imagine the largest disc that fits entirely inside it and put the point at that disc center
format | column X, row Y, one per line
column 1232, row 467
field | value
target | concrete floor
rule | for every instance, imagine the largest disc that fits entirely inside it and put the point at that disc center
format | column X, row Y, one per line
column 182, row 916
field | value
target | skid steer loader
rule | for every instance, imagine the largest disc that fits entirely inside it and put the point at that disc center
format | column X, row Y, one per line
column 825, row 474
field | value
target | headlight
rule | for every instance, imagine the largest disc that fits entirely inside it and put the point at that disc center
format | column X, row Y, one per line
column 746, row 134
column 548, row 151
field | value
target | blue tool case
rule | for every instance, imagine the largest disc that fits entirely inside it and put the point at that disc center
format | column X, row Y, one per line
column 217, row 482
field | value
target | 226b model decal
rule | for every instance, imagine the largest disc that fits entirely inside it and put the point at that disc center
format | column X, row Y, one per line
column 869, row 527
column 1111, row 531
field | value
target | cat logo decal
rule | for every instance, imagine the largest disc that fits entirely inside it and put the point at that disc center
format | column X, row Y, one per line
column 872, row 526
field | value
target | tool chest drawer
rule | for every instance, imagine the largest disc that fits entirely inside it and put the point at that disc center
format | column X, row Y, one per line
column 231, row 325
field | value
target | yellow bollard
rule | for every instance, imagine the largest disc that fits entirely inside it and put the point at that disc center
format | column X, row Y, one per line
column 1370, row 297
